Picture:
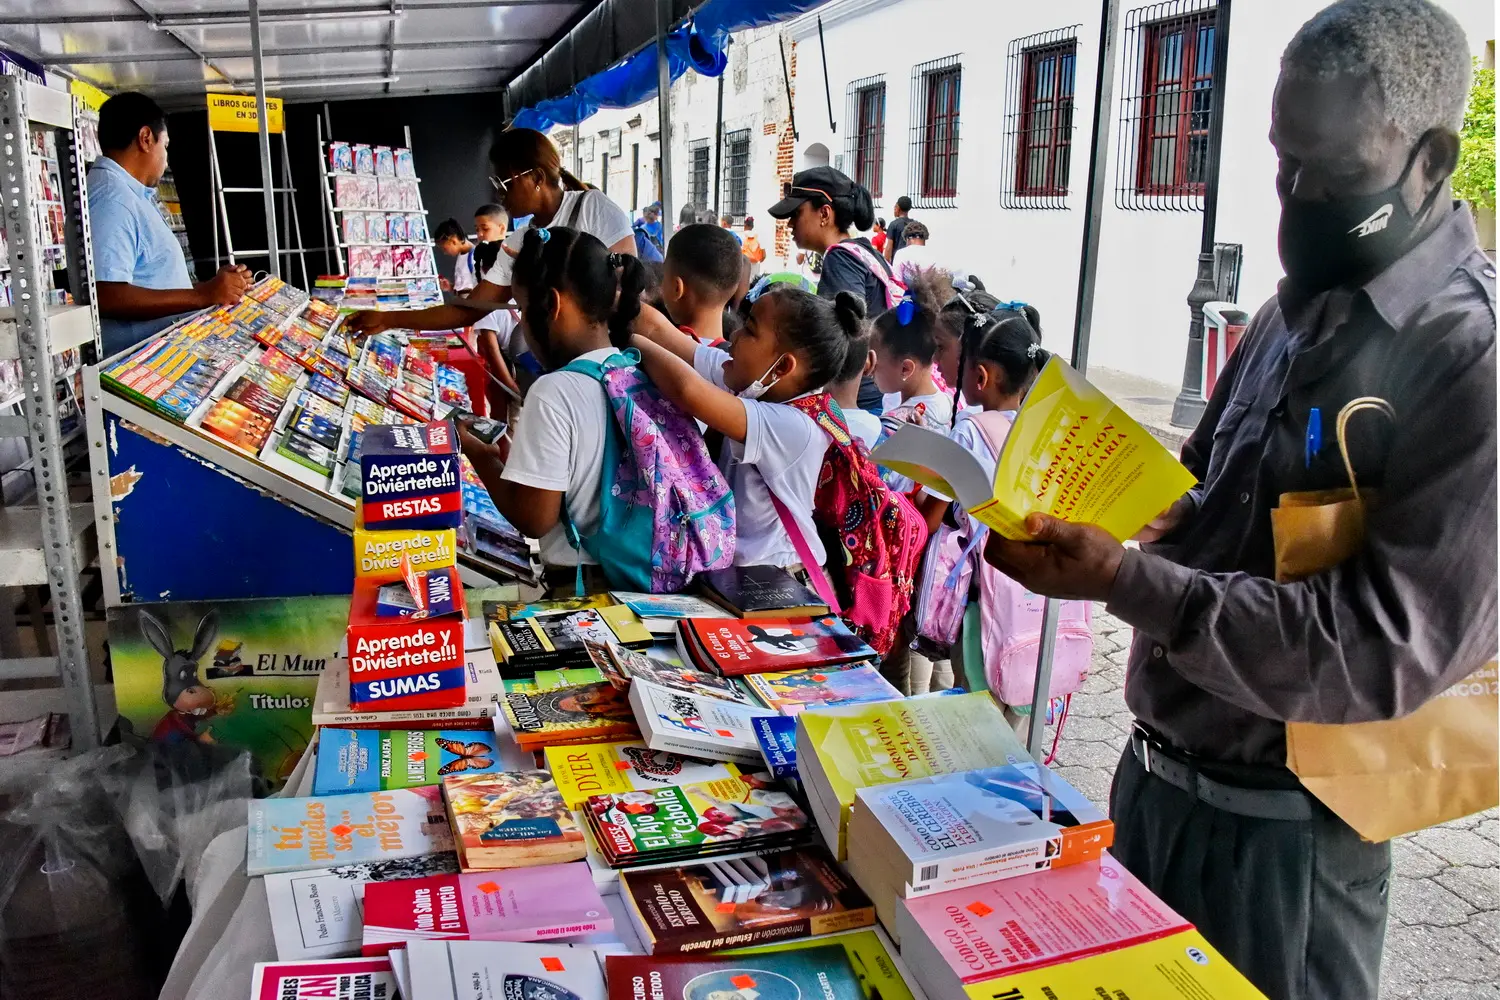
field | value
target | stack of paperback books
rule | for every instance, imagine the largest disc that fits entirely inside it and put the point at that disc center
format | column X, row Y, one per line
column 734, row 647
column 684, row 822
column 406, row 621
column 584, row 713
column 547, row 635
column 513, row 819
column 840, row 750
column 953, row 831
column 769, row 896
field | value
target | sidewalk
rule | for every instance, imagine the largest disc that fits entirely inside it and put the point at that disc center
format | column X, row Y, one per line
column 1149, row 403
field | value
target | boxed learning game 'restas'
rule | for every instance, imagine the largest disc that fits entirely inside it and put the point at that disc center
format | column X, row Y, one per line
column 410, row 476
column 406, row 647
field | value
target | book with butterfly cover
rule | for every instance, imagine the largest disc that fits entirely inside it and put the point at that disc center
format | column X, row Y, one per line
column 374, row 760
column 736, row 647
column 611, row 768
column 587, row 713
column 620, row 666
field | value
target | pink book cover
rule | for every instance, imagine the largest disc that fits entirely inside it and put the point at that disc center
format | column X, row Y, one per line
column 1061, row 915
column 516, row 904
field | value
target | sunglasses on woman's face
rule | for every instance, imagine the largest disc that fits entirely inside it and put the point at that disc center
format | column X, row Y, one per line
column 503, row 186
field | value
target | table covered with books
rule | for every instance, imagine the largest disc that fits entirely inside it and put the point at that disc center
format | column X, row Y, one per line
column 702, row 796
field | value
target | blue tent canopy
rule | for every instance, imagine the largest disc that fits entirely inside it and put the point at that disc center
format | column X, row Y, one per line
column 700, row 45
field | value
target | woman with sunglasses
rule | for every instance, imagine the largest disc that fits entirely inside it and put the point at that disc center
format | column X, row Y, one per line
column 529, row 180
column 823, row 207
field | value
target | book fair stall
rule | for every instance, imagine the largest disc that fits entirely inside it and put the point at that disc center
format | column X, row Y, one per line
column 353, row 752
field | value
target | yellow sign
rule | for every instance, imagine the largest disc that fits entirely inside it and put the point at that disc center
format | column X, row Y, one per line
column 92, row 97
column 238, row 113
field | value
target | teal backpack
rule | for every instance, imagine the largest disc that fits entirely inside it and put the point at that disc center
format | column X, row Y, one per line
column 666, row 511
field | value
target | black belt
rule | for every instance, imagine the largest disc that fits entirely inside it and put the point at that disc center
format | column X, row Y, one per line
column 1173, row 767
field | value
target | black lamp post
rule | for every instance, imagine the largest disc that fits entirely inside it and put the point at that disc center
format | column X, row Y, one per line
column 1189, row 404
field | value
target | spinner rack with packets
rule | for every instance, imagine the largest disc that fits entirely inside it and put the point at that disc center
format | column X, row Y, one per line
column 373, row 199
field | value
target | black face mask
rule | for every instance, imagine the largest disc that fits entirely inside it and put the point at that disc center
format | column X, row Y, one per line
column 1328, row 243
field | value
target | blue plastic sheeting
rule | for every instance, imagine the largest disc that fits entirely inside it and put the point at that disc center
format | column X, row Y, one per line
column 699, row 45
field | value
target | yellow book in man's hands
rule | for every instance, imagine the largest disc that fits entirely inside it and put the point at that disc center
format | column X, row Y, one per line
column 1071, row 453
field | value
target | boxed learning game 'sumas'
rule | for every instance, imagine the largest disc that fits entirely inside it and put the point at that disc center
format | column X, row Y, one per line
column 410, row 476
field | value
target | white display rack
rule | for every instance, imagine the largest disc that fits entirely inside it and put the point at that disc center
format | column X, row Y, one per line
column 48, row 543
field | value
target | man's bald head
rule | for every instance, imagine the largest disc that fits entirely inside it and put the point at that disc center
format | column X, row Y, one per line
column 1413, row 51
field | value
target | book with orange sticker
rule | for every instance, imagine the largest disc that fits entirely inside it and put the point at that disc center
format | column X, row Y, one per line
column 798, row 974
column 504, row 970
column 519, row 904
column 792, row 691
column 956, row 939
column 953, row 830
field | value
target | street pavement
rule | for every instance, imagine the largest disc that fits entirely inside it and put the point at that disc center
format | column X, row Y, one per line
column 1444, row 935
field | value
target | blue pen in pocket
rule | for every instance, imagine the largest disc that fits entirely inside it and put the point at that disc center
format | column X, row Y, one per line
column 1314, row 442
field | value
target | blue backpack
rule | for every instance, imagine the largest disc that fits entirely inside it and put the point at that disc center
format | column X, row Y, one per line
column 666, row 511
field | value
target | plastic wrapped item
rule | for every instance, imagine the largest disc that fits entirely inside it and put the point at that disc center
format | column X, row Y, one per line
column 92, row 849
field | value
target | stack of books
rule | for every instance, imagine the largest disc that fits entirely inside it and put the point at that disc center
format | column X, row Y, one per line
column 744, row 900
column 513, row 819
column 953, row 831
column 760, row 592
column 616, row 768
column 701, row 819
column 695, row 725
column 840, row 750
column 733, row 647
column 547, row 635
column 586, row 713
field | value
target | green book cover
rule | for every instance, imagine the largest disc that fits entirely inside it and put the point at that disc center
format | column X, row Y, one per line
column 372, row 760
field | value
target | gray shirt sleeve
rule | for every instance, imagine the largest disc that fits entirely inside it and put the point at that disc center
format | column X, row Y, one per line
column 1376, row 637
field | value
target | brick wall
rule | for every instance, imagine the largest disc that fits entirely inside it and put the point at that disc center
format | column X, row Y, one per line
column 786, row 158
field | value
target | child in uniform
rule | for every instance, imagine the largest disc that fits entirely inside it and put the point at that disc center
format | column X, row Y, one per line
column 701, row 274
column 579, row 300
column 792, row 345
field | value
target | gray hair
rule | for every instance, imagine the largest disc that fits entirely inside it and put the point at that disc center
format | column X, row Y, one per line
column 1415, row 51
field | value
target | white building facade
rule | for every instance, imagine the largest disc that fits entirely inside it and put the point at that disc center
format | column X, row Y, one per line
column 981, row 111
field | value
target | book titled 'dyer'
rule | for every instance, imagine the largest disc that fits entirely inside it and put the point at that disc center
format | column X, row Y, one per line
column 410, row 476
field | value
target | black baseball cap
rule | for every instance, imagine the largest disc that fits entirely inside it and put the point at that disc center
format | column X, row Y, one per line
column 823, row 183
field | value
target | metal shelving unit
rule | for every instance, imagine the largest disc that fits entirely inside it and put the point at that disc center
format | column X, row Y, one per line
column 47, row 544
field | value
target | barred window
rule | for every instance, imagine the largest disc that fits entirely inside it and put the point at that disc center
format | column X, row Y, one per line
column 933, row 166
column 864, row 142
column 736, row 172
column 698, row 174
column 1162, row 159
column 1040, row 71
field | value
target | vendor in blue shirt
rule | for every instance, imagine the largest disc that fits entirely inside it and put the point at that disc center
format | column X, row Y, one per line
column 140, row 274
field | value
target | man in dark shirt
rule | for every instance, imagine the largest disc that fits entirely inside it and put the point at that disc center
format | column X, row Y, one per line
column 1387, row 295
column 895, row 233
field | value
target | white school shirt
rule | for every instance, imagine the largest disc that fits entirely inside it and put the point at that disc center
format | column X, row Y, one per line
column 463, row 272
column 912, row 258
column 863, row 424
column 967, row 434
column 559, row 445
column 590, row 211
column 937, row 416
column 502, row 322
column 782, row 453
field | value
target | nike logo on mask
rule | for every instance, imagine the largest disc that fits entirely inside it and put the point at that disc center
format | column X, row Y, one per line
column 1376, row 222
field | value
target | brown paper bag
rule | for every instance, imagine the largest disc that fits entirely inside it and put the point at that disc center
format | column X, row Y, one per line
column 1385, row 778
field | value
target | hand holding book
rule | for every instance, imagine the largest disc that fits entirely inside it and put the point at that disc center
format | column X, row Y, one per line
column 1074, row 562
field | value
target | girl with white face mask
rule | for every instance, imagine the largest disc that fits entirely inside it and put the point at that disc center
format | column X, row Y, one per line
column 791, row 346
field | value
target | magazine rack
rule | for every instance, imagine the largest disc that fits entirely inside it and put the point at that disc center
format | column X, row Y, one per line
column 46, row 218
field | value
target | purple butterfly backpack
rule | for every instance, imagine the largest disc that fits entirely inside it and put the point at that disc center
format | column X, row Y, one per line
column 666, row 511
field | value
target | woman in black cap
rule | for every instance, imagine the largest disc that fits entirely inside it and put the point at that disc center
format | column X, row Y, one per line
column 823, row 207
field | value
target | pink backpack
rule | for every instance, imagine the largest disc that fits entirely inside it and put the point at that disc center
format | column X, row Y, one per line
column 873, row 536
column 1012, row 630
column 949, row 568
column 877, row 266
column 666, row 511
